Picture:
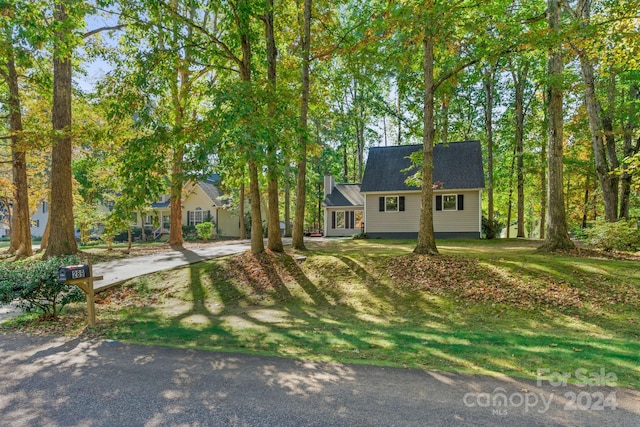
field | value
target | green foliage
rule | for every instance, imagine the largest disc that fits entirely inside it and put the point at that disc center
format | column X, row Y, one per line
column 359, row 236
column 491, row 228
column 189, row 232
column 205, row 230
column 621, row 235
column 36, row 286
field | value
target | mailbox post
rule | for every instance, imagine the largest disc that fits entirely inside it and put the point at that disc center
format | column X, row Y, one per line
column 82, row 276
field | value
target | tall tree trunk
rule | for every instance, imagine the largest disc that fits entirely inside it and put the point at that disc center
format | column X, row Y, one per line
column 175, row 228
column 445, row 119
column 399, row 112
column 557, row 230
column 585, row 207
column 519, row 76
column 608, row 182
column 21, row 222
column 274, row 239
column 600, row 128
column 287, row 199
column 361, row 142
column 243, row 227
column 257, row 242
column 488, row 84
column 62, row 238
column 301, row 194
column 45, row 234
column 242, row 20
column 426, row 244
column 543, row 195
column 510, row 199
column 629, row 150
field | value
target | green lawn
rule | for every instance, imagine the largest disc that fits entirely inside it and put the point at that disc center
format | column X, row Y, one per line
column 490, row 307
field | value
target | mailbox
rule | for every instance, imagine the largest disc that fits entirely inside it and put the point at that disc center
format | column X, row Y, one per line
column 71, row 272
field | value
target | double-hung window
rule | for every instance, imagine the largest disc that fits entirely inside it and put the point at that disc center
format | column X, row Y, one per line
column 340, row 219
column 346, row 219
column 195, row 217
column 449, row 202
column 391, row 204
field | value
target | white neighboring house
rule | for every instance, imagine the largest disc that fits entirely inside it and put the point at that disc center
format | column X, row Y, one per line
column 39, row 219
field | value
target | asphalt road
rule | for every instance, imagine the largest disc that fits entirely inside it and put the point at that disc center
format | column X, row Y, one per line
column 59, row 382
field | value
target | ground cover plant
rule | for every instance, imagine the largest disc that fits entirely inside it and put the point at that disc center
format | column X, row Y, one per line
column 490, row 307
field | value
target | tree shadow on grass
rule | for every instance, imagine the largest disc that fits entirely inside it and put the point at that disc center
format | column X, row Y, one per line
column 414, row 324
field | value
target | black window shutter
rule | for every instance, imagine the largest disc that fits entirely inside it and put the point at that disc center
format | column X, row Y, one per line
column 346, row 219
column 188, row 218
column 333, row 220
column 381, row 203
column 401, row 203
column 438, row 203
column 353, row 219
column 460, row 202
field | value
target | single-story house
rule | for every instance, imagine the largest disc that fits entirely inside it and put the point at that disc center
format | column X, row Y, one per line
column 203, row 201
column 344, row 208
column 391, row 207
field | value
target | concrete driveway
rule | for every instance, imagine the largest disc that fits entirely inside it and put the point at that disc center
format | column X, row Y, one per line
column 50, row 382
column 118, row 271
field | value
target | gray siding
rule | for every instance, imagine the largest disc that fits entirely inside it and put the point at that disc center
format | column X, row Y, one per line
column 339, row 232
column 445, row 222
column 467, row 220
column 392, row 222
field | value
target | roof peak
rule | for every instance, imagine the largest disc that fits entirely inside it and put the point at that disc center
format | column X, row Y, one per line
column 420, row 145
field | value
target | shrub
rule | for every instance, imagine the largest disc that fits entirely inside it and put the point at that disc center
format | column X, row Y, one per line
column 35, row 285
column 491, row 228
column 358, row 236
column 205, row 230
column 620, row 235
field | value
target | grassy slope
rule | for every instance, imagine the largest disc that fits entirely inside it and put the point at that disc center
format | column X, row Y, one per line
column 561, row 312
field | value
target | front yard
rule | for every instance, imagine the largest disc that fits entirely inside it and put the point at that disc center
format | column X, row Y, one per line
column 489, row 307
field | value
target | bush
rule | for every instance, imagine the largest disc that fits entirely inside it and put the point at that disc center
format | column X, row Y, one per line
column 189, row 231
column 205, row 230
column 35, row 285
column 359, row 236
column 620, row 235
column 491, row 229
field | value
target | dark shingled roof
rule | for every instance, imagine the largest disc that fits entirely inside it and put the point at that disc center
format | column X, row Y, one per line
column 457, row 165
column 344, row 195
column 164, row 204
column 211, row 189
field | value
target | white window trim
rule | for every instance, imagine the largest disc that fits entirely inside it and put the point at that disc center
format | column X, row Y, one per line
column 193, row 216
column 397, row 203
column 455, row 199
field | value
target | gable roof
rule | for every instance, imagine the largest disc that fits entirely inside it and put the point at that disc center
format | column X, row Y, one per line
column 344, row 195
column 211, row 189
column 457, row 165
